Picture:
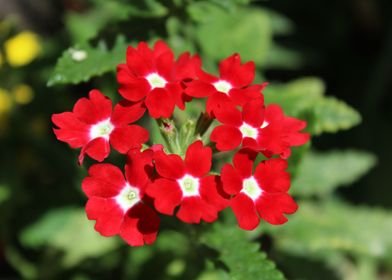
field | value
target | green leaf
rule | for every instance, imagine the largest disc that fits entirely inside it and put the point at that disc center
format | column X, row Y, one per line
column 82, row 62
column 84, row 26
column 247, row 32
column 323, row 229
column 304, row 98
column 296, row 96
column 242, row 257
column 280, row 24
column 321, row 173
column 283, row 58
column 68, row 230
column 332, row 115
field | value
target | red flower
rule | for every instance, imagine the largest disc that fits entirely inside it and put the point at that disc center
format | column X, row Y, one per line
column 231, row 88
column 117, row 204
column 92, row 125
column 265, row 130
column 260, row 194
column 186, row 183
column 279, row 133
column 154, row 77
column 239, row 127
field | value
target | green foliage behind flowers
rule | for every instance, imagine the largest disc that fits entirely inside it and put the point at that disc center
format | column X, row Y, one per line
column 57, row 241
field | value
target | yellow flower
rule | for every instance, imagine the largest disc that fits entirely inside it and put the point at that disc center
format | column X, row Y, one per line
column 5, row 101
column 22, row 48
column 23, row 94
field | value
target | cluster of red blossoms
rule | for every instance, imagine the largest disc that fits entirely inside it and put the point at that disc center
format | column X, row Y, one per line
column 155, row 180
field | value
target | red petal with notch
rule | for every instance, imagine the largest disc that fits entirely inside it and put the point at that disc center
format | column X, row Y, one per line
column 226, row 137
column 193, row 209
column 131, row 88
column 245, row 211
column 198, row 159
column 232, row 181
column 238, row 75
column 128, row 137
column 169, row 166
column 167, row 195
column 140, row 225
column 104, row 180
column 97, row 149
column 272, row 207
column 271, row 175
column 159, row 103
column 126, row 112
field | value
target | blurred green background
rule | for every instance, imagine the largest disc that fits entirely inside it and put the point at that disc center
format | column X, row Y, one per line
column 322, row 58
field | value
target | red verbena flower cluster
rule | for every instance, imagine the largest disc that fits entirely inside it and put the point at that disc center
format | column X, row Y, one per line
column 155, row 178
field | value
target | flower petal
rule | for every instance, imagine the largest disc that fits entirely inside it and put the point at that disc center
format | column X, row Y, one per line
column 272, row 207
column 167, row 195
column 243, row 162
column 126, row 112
column 271, row 175
column 108, row 218
column 226, row 137
column 245, row 211
column 128, row 137
column 253, row 113
column 169, row 166
column 232, row 181
column 198, row 159
column 211, row 192
column 159, row 103
column 199, row 89
column 193, row 209
column 97, row 149
column 140, row 225
column 238, row 75
column 131, row 87
column 105, row 180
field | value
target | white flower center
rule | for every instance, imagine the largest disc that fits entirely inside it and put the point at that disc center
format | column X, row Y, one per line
column 251, row 188
column 189, row 185
column 248, row 131
column 128, row 197
column 222, row 86
column 265, row 124
column 156, row 81
column 101, row 129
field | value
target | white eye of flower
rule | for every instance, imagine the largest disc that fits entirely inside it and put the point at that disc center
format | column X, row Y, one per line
column 101, row 129
column 248, row 131
column 128, row 197
column 265, row 124
column 156, row 81
column 222, row 86
column 251, row 188
column 189, row 185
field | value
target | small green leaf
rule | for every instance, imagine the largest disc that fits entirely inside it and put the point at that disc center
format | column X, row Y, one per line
column 242, row 257
column 323, row 229
column 247, row 32
column 82, row 62
column 321, row 173
column 68, row 230
column 332, row 115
